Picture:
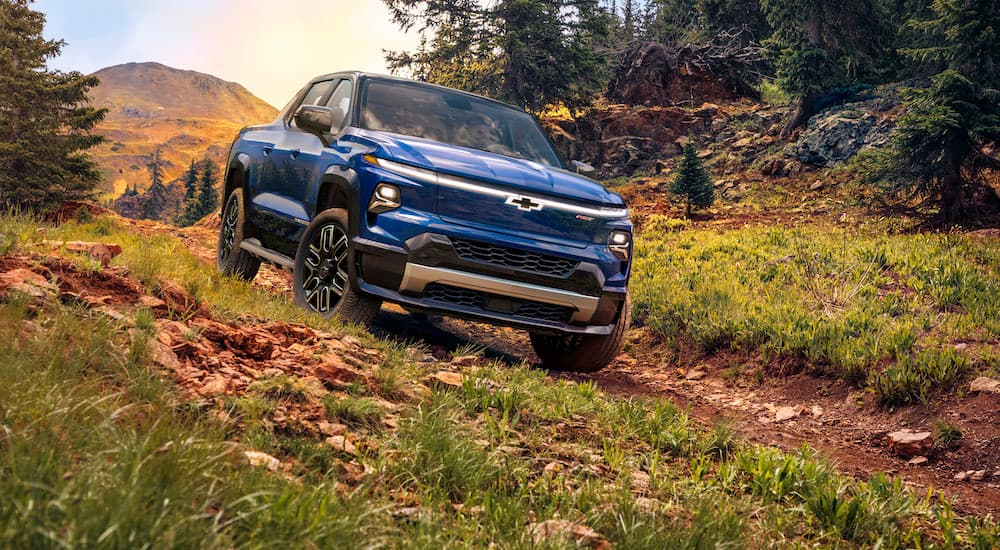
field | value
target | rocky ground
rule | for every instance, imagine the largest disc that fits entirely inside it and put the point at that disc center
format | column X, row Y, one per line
column 214, row 358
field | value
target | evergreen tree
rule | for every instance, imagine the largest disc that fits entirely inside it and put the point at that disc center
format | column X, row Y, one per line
column 940, row 141
column 208, row 196
column 44, row 125
column 155, row 200
column 191, row 182
column 693, row 183
column 531, row 53
column 820, row 45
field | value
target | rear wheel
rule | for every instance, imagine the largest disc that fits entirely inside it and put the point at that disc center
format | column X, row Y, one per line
column 582, row 352
column 230, row 258
column 321, row 279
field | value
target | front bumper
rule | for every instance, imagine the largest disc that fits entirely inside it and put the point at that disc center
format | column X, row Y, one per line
column 428, row 274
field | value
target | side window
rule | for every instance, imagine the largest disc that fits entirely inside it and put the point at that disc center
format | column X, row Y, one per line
column 340, row 103
column 314, row 96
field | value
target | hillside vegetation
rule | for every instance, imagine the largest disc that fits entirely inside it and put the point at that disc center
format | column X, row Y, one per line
column 188, row 115
column 231, row 436
column 904, row 315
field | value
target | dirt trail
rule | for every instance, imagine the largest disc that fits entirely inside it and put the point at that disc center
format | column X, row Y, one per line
column 843, row 423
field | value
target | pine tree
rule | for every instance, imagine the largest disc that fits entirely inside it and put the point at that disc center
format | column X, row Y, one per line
column 819, row 45
column 155, row 200
column 693, row 183
column 939, row 142
column 44, row 123
column 191, row 182
column 531, row 53
column 208, row 196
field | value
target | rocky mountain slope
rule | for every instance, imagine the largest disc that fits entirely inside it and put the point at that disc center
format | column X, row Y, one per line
column 187, row 114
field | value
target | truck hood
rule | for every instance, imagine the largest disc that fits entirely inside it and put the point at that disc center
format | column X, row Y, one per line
column 517, row 174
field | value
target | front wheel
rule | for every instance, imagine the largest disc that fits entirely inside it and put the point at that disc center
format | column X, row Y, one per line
column 321, row 278
column 230, row 258
column 582, row 352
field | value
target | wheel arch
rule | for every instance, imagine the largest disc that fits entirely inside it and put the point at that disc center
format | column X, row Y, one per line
column 339, row 189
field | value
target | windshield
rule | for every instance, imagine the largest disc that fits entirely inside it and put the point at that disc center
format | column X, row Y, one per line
column 454, row 118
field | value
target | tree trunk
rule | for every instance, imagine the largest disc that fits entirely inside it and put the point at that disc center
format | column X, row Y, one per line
column 803, row 112
column 812, row 30
column 952, row 209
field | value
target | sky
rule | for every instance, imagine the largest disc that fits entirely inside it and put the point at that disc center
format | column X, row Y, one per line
column 272, row 47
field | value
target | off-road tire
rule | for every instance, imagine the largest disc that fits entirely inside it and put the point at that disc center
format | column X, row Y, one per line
column 230, row 258
column 584, row 352
column 322, row 264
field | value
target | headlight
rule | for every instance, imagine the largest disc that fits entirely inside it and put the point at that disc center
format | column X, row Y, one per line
column 385, row 198
column 619, row 243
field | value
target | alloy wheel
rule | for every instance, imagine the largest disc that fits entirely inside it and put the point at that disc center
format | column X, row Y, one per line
column 325, row 279
column 229, row 222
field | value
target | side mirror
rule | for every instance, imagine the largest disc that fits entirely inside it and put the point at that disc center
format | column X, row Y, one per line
column 315, row 119
column 582, row 167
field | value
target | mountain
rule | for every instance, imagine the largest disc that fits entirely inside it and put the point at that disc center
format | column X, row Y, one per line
column 189, row 115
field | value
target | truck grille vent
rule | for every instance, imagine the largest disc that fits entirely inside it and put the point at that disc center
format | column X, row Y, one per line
column 513, row 258
column 496, row 303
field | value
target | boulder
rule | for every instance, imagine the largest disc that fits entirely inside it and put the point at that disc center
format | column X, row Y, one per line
column 910, row 444
column 838, row 134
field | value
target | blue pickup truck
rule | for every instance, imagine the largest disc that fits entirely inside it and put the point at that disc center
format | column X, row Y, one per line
column 373, row 188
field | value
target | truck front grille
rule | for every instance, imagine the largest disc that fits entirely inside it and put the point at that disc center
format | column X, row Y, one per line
column 497, row 304
column 513, row 258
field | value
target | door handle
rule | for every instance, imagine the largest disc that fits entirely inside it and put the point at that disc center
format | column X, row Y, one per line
column 267, row 150
column 295, row 153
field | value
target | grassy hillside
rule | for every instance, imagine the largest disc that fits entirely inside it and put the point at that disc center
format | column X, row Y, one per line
column 104, row 445
column 904, row 315
column 187, row 114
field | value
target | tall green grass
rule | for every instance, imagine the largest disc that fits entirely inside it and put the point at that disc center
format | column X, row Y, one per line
column 96, row 450
column 862, row 305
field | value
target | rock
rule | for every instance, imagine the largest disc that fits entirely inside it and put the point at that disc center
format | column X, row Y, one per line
column 165, row 357
column 177, row 299
column 745, row 142
column 837, row 134
column 985, row 384
column 440, row 353
column 102, row 252
column 336, row 373
column 331, row 429
column 152, row 302
column 341, row 443
column 556, row 530
column 918, row 461
column 446, row 379
column 682, row 141
column 961, row 346
column 816, row 411
column 817, row 185
column 909, row 444
column 977, row 475
column 695, row 374
column 216, row 385
column 552, row 468
column 788, row 413
column 257, row 458
column 960, row 476
column 465, row 361
column 28, row 282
